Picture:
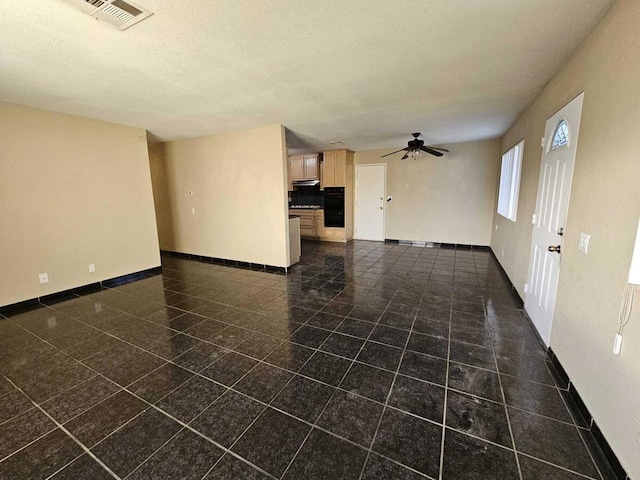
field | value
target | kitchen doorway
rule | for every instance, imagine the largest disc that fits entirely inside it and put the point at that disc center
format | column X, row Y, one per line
column 370, row 201
column 554, row 188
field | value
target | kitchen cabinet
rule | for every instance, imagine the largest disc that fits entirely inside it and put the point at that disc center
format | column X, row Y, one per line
column 334, row 234
column 337, row 170
column 294, row 240
column 312, row 226
column 311, row 222
column 319, row 222
column 296, row 167
column 310, row 165
column 304, row 167
column 334, row 169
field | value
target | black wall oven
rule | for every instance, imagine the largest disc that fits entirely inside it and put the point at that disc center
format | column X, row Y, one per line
column 334, row 207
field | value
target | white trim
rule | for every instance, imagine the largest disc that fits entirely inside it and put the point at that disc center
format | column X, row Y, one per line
column 384, row 202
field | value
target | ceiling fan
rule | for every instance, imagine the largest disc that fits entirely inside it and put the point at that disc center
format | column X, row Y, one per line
column 416, row 147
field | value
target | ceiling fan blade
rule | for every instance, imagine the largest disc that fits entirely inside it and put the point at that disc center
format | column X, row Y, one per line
column 406, row 155
column 397, row 151
column 438, row 148
column 431, row 151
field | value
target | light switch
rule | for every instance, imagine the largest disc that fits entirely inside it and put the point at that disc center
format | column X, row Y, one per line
column 193, row 211
column 583, row 242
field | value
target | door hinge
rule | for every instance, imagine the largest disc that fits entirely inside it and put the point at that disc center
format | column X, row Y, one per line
column 534, row 219
column 542, row 139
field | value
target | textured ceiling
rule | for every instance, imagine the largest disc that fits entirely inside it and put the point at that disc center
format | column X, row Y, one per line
column 364, row 72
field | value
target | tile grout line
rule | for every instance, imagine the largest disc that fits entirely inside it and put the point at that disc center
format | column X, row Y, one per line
column 575, row 424
column 333, row 395
column 446, row 389
column 199, row 373
column 180, row 430
column 396, row 376
column 268, row 405
column 125, row 388
column 183, row 367
column 185, row 425
column 504, row 399
column 248, row 396
column 582, row 475
column 389, row 393
column 85, row 449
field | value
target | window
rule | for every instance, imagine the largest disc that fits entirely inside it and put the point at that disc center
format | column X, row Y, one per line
column 560, row 136
column 510, row 182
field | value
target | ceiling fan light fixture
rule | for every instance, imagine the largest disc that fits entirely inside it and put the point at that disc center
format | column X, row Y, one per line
column 415, row 149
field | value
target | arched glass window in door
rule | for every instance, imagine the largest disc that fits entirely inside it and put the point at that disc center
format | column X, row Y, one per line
column 561, row 135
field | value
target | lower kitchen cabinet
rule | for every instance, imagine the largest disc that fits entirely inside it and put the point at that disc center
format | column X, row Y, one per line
column 311, row 222
column 312, row 226
column 334, row 234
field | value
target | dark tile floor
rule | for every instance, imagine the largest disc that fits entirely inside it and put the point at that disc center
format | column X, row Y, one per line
column 368, row 361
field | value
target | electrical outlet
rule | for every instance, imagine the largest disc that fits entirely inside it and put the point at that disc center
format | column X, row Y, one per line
column 193, row 211
column 502, row 254
column 44, row 278
column 496, row 226
column 92, row 268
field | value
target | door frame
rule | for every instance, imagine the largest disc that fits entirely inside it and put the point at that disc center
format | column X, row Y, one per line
column 384, row 202
column 559, row 116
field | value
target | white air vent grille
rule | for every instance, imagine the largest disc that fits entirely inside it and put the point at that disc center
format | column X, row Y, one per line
column 117, row 13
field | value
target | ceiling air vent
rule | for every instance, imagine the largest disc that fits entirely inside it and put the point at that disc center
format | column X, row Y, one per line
column 117, row 13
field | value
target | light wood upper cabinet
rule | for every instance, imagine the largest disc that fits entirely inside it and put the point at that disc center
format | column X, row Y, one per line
column 310, row 165
column 334, row 172
column 304, row 167
column 329, row 169
column 296, row 167
column 340, row 172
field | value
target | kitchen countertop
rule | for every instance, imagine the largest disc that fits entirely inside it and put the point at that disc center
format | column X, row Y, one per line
column 315, row 207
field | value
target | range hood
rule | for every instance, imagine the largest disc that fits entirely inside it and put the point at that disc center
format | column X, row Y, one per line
column 305, row 183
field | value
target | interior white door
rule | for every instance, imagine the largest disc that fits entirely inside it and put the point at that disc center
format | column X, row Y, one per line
column 554, row 188
column 370, row 203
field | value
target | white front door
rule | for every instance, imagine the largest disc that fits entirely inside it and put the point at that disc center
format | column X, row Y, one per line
column 370, row 203
column 554, row 188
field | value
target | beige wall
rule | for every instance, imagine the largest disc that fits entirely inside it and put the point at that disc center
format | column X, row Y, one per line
column 447, row 199
column 239, row 186
column 73, row 191
column 605, row 202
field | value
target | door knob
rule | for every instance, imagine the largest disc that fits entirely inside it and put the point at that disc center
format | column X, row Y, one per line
column 555, row 249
